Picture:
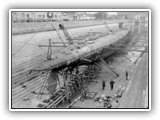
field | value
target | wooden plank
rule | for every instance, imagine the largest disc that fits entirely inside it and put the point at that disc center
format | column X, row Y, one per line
column 20, row 102
column 28, row 84
column 24, row 78
column 27, row 95
column 34, row 97
column 27, row 90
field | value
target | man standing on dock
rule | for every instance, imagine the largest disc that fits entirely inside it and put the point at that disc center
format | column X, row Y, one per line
column 103, row 84
column 126, row 75
column 111, row 84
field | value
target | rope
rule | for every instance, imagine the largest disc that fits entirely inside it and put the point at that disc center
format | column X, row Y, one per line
column 28, row 41
column 22, row 42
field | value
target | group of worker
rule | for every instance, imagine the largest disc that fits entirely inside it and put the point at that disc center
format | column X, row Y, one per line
column 80, row 80
column 112, row 82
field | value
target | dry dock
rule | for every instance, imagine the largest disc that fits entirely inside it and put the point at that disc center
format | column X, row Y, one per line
column 25, row 87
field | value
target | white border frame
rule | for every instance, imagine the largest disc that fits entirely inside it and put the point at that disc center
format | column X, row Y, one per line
column 94, row 10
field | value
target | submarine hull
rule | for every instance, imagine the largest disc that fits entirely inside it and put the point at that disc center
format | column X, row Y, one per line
column 92, row 52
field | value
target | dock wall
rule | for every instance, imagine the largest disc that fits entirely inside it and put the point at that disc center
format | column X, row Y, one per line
column 31, row 27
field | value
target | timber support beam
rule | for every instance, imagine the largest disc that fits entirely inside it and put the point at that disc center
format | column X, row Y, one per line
column 109, row 67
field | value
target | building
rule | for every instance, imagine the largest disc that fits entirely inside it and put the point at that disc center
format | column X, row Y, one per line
column 86, row 16
column 29, row 16
column 112, row 15
column 91, row 15
column 127, row 15
column 142, row 15
column 37, row 17
column 69, row 16
column 57, row 16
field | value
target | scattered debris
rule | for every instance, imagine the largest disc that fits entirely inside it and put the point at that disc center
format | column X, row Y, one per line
column 110, row 101
column 24, row 86
column 41, row 105
column 46, row 101
column 34, row 92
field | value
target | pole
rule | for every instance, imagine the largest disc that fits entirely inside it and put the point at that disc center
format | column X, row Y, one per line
column 109, row 67
column 49, row 50
column 124, row 56
column 101, row 68
column 58, row 81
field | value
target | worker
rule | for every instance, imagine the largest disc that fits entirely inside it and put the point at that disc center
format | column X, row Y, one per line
column 85, row 93
column 69, row 100
column 103, row 84
column 111, row 84
column 82, row 96
column 126, row 75
column 77, row 85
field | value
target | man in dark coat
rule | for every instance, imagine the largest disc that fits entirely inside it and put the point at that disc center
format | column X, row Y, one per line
column 82, row 96
column 111, row 84
column 126, row 75
column 103, row 84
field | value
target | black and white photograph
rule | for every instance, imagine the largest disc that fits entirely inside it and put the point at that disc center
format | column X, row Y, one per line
column 80, row 59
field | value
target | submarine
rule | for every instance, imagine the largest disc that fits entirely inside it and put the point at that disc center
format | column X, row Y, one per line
column 82, row 53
